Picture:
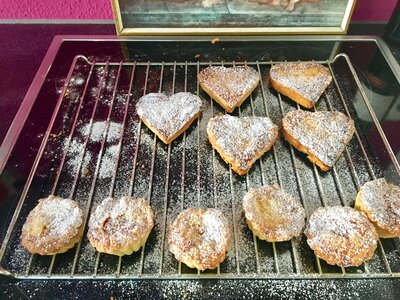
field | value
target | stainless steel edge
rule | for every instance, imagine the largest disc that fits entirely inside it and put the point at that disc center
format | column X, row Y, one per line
column 29, row 99
column 389, row 57
column 373, row 115
column 221, row 37
column 36, row 162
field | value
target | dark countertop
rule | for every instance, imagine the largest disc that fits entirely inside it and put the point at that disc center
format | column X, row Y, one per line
column 23, row 47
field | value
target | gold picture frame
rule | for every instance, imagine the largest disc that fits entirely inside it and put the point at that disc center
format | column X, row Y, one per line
column 124, row 30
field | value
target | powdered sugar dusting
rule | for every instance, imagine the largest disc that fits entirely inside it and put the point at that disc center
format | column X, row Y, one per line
column 168, row 114
column 51, row 224
column 382, row 204
column 199, row 237
column 240, row 139
column 205, row 181
column 98, row 128
column 230, row 84
column 275, row 214
column 306, row 78
column 119, row 222
column 108, row 162
column 324, row 133
column 341, row 235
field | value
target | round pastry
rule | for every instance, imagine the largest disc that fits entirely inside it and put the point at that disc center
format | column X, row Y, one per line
column 341, row 236
column 121, row 226
column 381, row 202
column 272, row 214
column 199, row 238
column 53, row 226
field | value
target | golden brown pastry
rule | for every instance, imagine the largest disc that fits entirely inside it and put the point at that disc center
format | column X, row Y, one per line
column 120, row 226
column 322, row 135
column 166, row 116
column 341, row 236
column 302, row 82
column 380, row 201
column 272, row 214
column 53, row 226
column 241, row 141
column 199, row 238
column 229, row 86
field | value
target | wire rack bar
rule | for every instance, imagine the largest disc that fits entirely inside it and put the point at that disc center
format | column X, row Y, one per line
column 37, row 159
column 181, row 74
column 368, row 163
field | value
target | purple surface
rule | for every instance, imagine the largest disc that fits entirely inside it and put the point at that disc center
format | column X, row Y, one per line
column 22, row 48
column 366, row 10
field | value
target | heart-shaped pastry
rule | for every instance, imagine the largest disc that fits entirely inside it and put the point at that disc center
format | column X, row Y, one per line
column 322, row 135
column 166, row 116
column 303, row 82
column 241, row 141
column 229, row 86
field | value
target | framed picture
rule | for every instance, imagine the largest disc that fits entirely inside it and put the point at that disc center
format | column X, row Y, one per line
column 232, row 17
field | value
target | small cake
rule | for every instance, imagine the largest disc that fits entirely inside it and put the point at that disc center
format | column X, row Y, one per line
column 53, row 226
column 241, row 141
column 322, row 135
column 166, row 116
column 272, row 214
column 380, row 201
column 199, row 238
column 341, row 236
column 303, row 82
column 229, row 86
column 120, row 226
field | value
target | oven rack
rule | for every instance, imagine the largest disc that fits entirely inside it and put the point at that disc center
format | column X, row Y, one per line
column 95, row 114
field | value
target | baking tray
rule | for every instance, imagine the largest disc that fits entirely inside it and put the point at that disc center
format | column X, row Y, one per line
column 95, row 146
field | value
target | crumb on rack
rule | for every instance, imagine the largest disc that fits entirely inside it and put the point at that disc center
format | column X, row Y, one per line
column 85, row 172
column 214, row 41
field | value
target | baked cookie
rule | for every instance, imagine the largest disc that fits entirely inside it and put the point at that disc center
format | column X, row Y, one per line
column 167, row 116
column 321, row 135
column 229, row 86
column 272, row 214
column 120, row 226
column 380, row 201
column 303, row 82
column 341, row 236
column 241, row 141
column 199, row 238
column 53, row 226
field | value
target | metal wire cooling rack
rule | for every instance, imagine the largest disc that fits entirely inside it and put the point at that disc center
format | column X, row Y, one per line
column 95, row 146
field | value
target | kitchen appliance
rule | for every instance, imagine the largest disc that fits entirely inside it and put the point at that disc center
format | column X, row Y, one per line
column 77, row 135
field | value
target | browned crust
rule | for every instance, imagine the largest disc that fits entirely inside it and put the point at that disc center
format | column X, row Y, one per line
column 101, row 238
column 300, row 147
column 231, row 160
column 292, row 94
column 221, row 101
column 265, row 221
column 164, row 138
column 383, row 233
column 183, row 239
column 343, row 250
column 48, row 244
column 355, row 260
column 58, row 248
